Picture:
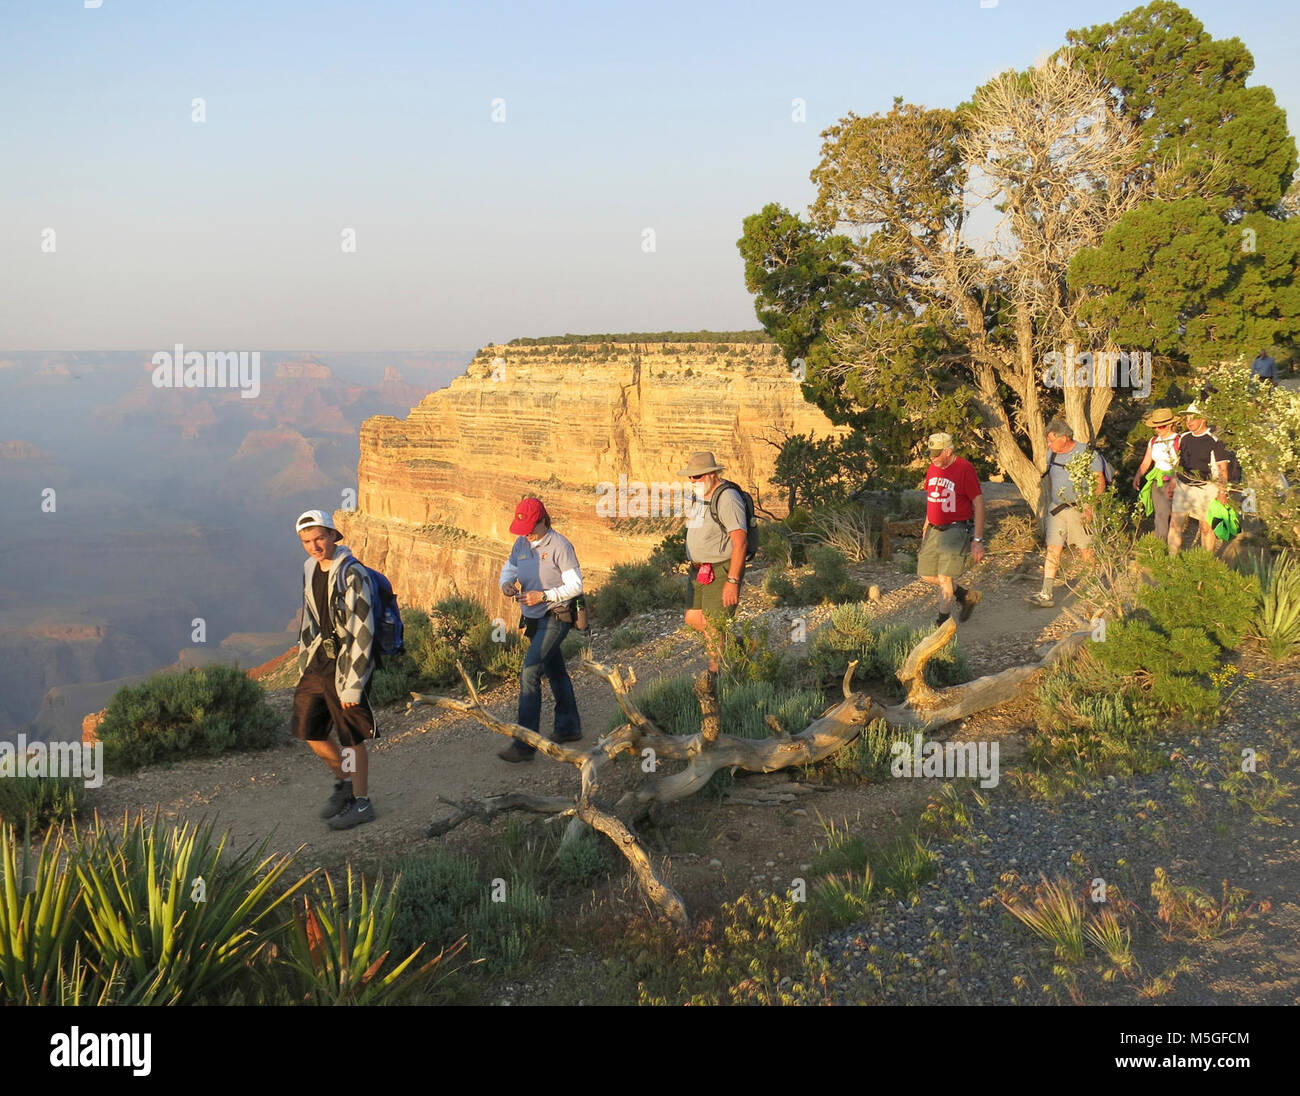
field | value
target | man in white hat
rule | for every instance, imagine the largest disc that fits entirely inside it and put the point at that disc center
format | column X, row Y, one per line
column 335, row 661
column 954, row 527
column 717, row 535
column 1200, row 477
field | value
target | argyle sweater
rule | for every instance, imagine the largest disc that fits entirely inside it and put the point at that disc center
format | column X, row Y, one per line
column 354, row 624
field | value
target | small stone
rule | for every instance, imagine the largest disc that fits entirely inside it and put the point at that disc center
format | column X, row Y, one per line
column 800, row 812
column 715, row 863
column 873, row 593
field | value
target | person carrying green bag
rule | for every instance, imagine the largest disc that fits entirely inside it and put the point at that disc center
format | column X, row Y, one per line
column 1154, row 478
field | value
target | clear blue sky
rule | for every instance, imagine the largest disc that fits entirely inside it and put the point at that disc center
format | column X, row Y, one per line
column 378, row 117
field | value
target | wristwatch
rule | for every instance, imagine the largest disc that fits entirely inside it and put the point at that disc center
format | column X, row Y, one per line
column 735, row 580
column 978, row 540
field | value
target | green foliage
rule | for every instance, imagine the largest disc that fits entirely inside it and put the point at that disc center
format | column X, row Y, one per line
column 626, row 636
column 741, row 337
column 828, row 581
column 502, row 931
column 671, row 705
column 635, row 588
column 1197, row 591
column 395, row 679
column 194, row 713
column 748, row 655
column 581, row 860
column 823, row 472
column 459, row 628
column 880, row 651
column 1277, row 622
column 435, row 891
column 670, row 552
column 868, row 757
column 38, row 908
column 40, row 801
column 339, row 947
column 176, row 916
column 1262, row 424
column 755, row 952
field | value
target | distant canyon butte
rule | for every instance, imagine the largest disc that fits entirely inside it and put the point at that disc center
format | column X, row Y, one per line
column 437, row 490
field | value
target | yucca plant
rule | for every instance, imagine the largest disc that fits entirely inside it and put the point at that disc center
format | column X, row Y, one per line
column 1277, row 623
column 37, row 919
column 176, row 919
column 338, row 947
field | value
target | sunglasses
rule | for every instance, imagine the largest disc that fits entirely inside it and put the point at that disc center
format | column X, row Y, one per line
column 694, row 478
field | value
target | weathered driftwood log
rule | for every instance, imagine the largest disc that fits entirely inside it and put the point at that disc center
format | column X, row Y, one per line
column 925, row 709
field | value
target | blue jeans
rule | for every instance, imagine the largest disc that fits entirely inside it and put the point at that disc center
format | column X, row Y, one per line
column 544, row 656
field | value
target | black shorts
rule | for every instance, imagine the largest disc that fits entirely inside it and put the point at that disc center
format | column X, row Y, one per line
column 316, row 705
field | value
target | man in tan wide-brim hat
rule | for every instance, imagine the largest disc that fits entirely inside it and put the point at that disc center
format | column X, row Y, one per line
column 717, row 535
column 1154, row 478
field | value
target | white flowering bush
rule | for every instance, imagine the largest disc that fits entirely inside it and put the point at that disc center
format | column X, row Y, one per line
column 1262, row 423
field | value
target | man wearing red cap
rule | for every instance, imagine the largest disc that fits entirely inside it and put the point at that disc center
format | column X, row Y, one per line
column 542, row 574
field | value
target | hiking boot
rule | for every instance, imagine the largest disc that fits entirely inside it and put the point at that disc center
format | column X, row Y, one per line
column 1042, row 601
column 517, row 751
column 341, row 798
column 571, row 736
column 968, row 604
column 354, row 814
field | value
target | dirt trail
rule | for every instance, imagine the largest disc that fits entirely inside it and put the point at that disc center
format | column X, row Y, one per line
column 426, row 754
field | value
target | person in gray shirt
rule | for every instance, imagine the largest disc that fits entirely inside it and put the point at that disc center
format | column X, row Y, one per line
column 1264, row 367
column 542, row 574
column 716, row 550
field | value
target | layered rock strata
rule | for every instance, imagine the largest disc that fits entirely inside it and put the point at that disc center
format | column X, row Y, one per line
column 571, row 424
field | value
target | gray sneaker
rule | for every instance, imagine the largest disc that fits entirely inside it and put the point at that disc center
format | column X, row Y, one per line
column 354, row 814
column 1041, row 600
column 341, row 798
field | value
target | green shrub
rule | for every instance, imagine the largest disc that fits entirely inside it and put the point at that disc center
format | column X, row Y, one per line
column 40, row 801
column 852, row 634
column 748, row 655
column 780, row 586
column 581, row 860
column 435, row 893
column 869, row 756
column 635, row 588
column 775, row 544
column 828, row 581
column 395, row 680
column 501, row 931
column 627, row 636
column 195, row 713
column 1277, row 621
column 670, row 552
column 459, row 629
column 1196, row 590
column 671, row 705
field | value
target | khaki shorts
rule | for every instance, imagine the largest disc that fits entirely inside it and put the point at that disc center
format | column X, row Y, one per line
column 708, row 597
column 1066, row 528
column 943, row 551
column 1194, row 501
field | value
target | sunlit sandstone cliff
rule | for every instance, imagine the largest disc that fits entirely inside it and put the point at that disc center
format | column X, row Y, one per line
column 436, row 491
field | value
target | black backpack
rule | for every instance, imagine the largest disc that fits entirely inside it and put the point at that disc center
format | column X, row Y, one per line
column 751, row 525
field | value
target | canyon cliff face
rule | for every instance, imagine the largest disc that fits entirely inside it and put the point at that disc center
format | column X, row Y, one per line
column 436, row 491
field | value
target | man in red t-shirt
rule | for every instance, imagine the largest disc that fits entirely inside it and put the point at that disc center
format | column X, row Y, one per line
column 953, row 504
